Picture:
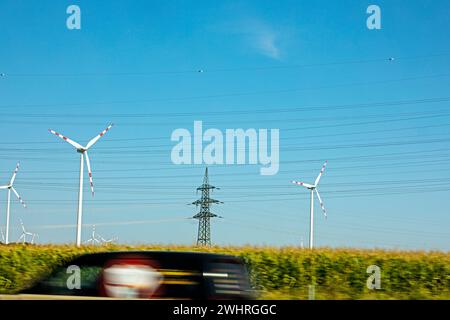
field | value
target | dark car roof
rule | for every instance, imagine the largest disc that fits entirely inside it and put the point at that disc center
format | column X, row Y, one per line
column 198, row 256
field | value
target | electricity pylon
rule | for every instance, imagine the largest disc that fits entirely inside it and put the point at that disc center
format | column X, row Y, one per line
column 205, row 214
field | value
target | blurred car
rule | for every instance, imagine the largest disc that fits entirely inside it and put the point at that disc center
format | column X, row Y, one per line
column 147, row 275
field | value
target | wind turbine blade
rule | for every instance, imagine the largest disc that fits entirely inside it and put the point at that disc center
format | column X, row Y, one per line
column 321, row 203
column 21, row 223
column 320, row 174
column 94, row 140
column 4, row 187
column 73, row 143
column 14, row 174
column 88, row 164
column 19, row 197
column 306, row 185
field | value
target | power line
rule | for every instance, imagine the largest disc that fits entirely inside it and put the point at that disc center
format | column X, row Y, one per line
column 113, row 223
column 366, row 157
column 233, row 112
column 232, row 69
column 171, row 143
column 237, row 94
column 354, row 189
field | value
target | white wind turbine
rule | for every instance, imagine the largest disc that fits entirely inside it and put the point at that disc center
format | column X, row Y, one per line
column 94, row 238
column 313, row 189
column 112, row 240
column 35, row 235
column 83, row 151
column 25, row 233
column 10, row 187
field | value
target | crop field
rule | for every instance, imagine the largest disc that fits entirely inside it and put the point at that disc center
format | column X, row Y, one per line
column 276, row 273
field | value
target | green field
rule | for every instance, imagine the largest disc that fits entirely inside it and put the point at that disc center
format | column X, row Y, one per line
column 276, row 273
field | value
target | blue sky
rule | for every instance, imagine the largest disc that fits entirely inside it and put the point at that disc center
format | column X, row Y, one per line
column 312, row 70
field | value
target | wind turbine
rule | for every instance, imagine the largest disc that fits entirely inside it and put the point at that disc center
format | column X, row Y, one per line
column 112, row 240
column 25, row 233
column 313, row 189
column 35, row 235
column 94, row 238
column 10, row 187
column 83, row 151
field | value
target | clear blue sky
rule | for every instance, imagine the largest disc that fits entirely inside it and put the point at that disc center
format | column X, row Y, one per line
column 135, row 63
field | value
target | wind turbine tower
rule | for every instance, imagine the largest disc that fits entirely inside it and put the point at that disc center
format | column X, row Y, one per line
column 94, row 238
column 83, row 151
column 25, row 233
column 9, row 187
column 313, row 189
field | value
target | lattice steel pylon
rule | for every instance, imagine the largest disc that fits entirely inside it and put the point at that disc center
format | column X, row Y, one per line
column 205, row 214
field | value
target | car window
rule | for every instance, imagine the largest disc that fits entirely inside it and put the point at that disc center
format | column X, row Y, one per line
column 227, row 278
column 73, row 280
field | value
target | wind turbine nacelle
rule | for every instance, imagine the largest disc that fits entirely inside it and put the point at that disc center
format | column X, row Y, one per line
column 81, row 150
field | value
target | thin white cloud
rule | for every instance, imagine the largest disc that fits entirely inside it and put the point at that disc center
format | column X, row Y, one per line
column 266, row 42
column 257, row 34
column 262, row 37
